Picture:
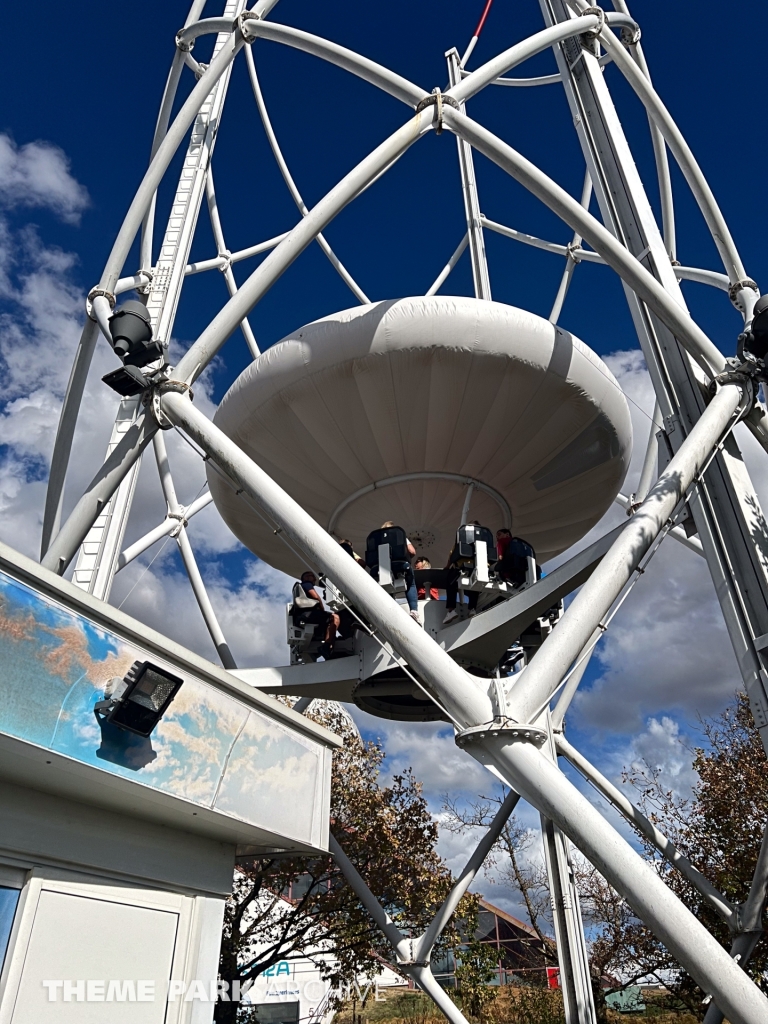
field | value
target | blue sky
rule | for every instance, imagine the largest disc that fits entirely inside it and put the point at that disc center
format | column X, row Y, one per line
column 79, row 97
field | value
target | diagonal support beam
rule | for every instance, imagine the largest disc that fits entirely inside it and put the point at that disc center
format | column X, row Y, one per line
column 501, row 745
column 723, row 907
column 479, row 260
column 162, row 530
column 442, row 277
column 455, row 690
column 571, row 258
column 751, row 929
column 194, row 361
column 420, row 972
column 192, row 364
column 563, row 646
column 629, row 269
column 414, row 954
column 226, row 268
column 188, row 557
column 334, row 260
column 424, row 945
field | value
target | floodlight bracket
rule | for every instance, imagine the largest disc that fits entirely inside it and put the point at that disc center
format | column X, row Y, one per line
column 121, row 696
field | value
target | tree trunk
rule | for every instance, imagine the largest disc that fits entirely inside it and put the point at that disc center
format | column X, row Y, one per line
column 601, row 1007
column 226, row 1013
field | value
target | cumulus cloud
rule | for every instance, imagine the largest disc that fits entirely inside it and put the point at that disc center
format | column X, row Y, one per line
column 41, row 317
column 667, row 651
column 251, row 613
column 37, row 175
column 666, row 657
column 662, row 747
column 429, row 749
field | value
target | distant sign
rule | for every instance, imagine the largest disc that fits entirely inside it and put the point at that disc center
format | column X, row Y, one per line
column 629, row 1000
column 277, row 969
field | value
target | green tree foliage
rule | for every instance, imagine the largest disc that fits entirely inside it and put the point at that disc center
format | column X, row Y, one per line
column 388, row 834
column 476, row 964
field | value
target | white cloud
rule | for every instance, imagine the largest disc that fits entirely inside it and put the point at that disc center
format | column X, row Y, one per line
column 251, row 613
column 429, row 749
column 662, row 747
column 41, row 319
column 666, row 656
column 667, row 650
column 37, row 174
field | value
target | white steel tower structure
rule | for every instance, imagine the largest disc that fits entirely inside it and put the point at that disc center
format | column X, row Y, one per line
column 510, row 722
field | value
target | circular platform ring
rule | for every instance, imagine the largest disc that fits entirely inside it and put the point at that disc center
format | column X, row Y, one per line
column 394, row 695
column 390, row 411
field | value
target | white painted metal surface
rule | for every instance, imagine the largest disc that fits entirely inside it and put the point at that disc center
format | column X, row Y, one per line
column 97, row 561
column 441, row 385
column 306, row 489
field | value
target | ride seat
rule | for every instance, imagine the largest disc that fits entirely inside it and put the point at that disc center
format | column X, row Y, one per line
column 475, row 544
column 518, row 566
column 386, row 555
column 301, row 606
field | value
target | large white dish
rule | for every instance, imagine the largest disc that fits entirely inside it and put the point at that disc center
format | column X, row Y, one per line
column 429, row 385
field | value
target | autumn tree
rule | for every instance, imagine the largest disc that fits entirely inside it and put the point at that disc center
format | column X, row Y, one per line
column 388, row 834
column 620, row 947
column 719, row 827
column 511, row 855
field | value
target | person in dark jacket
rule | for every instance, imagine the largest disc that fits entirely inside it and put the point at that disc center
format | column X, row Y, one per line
column 319, row 614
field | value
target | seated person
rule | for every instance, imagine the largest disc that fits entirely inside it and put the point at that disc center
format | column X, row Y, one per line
column 421, row 592
column 347, row 546
column 347, row 621
column 514, row 553
column 503, row 537
column 402, row 552
column 326, row 622
column 456, row 562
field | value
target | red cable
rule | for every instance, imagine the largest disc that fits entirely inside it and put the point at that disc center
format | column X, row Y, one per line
column 484, row 15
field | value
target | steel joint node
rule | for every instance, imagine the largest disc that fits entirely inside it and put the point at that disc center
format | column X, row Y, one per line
column 514, row 732
column 153, row 399
column 744, row 376
column 240, row 23
column 437, row 99
column 593, row 33
column 94, row 293
column 739, row 286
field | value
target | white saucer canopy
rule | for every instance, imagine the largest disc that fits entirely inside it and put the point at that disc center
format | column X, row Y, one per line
column 442, row 391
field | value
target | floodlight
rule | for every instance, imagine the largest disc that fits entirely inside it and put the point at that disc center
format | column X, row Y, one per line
column 126, row 381
column 131, row 330
column 140, row 699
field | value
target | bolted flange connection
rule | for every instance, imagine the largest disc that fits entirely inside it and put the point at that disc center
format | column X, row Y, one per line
column 593, row 33
column 511, row 732
column 94, row 293
column 240, row 23
column 735, row 290
column 153, row 395
column 438, row 98
column 747, row 376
